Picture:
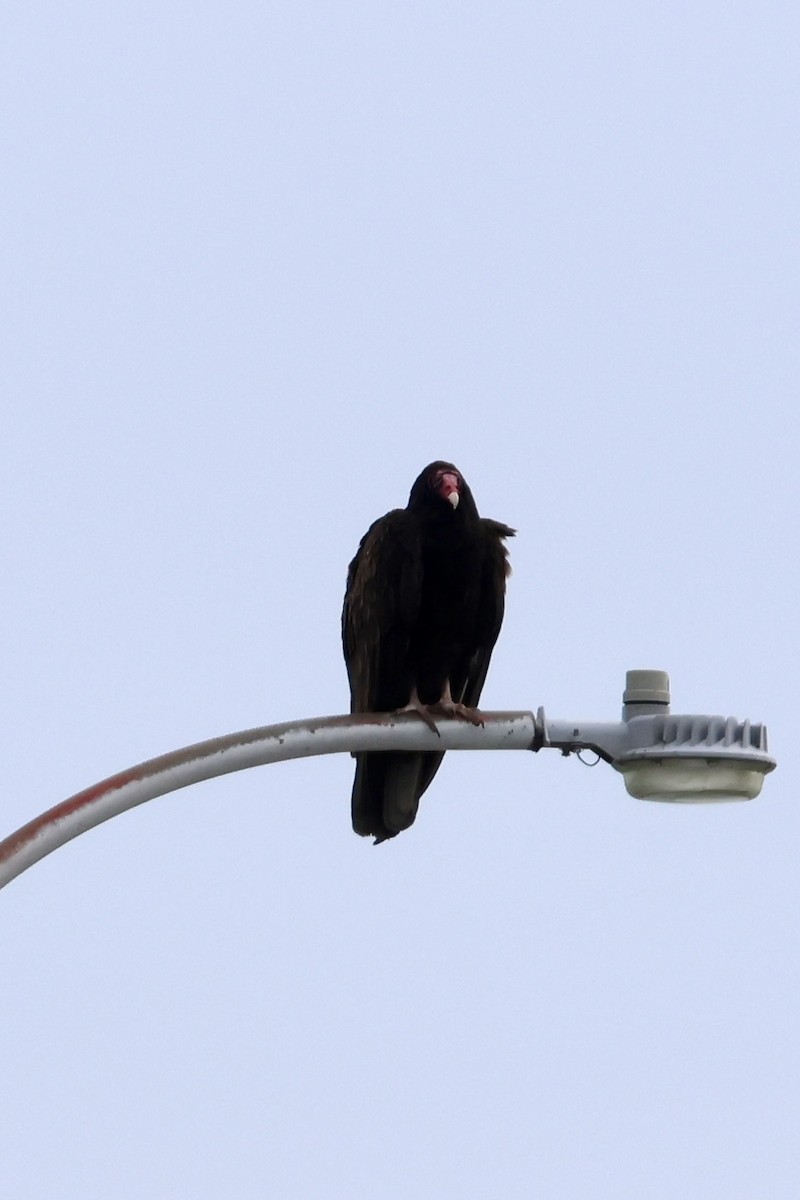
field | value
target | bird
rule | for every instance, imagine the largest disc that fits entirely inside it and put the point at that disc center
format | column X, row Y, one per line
column 422, row 610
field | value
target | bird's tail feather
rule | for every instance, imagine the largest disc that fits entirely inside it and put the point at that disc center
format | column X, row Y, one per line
column 386, row 792
column 401, row 791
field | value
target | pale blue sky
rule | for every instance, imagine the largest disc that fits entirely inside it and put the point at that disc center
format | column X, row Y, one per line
column 261, row 263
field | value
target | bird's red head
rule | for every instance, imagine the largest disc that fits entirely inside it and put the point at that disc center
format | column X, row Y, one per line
column 446, row 482
column 441, row 481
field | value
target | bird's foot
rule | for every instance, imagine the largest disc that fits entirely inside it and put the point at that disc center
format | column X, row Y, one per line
column 415, row 705
column 461, row 712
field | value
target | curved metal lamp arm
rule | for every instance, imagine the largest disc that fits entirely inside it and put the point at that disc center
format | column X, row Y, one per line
column 252, row 748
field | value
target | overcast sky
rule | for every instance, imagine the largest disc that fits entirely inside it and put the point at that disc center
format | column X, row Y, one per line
column 261, row 263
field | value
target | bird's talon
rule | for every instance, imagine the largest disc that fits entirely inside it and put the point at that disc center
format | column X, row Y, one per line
column 459, row 712
column 422, row 710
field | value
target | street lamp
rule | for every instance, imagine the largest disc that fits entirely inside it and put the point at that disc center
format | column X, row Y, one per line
column 684, row 759
column 690, row 759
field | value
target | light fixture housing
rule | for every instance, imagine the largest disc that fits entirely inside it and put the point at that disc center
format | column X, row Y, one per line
column 678, row 759
column 694, row 760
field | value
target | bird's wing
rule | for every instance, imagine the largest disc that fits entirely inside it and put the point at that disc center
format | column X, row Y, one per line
column 382, row 599
column 491, row 606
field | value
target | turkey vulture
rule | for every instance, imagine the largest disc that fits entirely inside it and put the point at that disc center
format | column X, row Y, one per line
column 422, row 611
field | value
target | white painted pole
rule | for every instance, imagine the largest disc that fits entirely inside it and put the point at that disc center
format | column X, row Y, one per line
column 250, row 748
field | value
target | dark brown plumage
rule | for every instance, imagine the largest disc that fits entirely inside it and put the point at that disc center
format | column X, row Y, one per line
column 422, row 611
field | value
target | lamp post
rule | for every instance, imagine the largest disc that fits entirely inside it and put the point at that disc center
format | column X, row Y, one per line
column 690, row 759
